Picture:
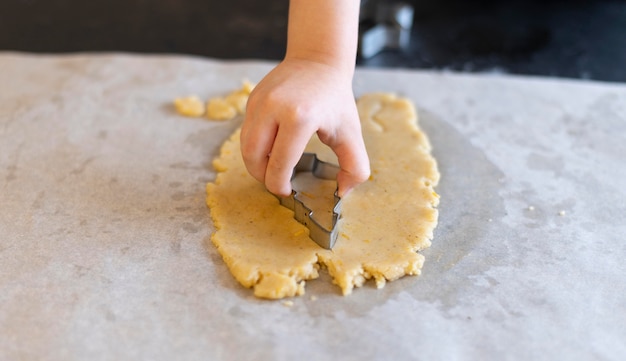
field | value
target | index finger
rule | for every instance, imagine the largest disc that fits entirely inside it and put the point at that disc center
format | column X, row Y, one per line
column 257, row 139
column 286, row 152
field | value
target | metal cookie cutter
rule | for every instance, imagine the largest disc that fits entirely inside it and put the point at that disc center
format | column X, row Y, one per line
column 325, row 238
column 384, row 24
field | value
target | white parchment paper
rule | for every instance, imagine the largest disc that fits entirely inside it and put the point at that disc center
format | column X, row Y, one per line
column 104, row 233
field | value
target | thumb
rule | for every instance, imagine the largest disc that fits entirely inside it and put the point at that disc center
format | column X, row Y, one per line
column 353, row 161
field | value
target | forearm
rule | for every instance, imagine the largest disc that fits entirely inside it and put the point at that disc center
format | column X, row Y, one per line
column 324, row 31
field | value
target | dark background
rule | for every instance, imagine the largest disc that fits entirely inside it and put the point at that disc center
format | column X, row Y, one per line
column 574, row 39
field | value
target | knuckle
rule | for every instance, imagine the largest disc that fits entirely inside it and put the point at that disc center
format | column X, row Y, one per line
column 298, row 116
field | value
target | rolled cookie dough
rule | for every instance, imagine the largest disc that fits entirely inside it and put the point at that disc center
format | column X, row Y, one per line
column 385, row 221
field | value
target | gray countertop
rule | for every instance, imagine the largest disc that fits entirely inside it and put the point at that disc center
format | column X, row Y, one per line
column 104, row 233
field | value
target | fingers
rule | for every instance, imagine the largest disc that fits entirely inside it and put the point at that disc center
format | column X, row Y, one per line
column 353, row 161
column 347, row 143
column 257, row 140
column 271, row 150
column 288, row 147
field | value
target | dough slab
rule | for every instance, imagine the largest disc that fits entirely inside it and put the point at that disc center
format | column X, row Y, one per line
column 385, row 221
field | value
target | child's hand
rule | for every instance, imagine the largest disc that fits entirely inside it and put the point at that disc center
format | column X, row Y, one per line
column 298, row 98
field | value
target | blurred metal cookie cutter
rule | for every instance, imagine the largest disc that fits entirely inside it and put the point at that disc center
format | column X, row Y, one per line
column 324, row 237
column 384, row 24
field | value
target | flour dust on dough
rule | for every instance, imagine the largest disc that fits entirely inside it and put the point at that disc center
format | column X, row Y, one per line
column 384, row 223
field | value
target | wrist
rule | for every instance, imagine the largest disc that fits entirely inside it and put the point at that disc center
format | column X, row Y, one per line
column 341, row 67
column 324, row 32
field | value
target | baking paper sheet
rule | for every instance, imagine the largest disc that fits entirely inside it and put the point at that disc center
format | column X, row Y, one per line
column 104, row 234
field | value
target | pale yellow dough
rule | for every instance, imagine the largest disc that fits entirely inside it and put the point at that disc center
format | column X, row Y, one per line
column 385, row 221
column 190, row 106
column 234, row 103
column 217, row 108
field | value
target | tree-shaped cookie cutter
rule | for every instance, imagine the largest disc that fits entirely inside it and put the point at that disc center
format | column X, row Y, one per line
column 324, row 237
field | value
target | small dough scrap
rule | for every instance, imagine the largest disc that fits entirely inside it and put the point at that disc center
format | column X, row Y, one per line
column 247, row 87
column 219, row 108
column 190, row 106
column 276, row 285
column 239, row 98
column 384, row 222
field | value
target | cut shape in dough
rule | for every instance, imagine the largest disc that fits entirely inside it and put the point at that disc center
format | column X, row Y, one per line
column 384, row 223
